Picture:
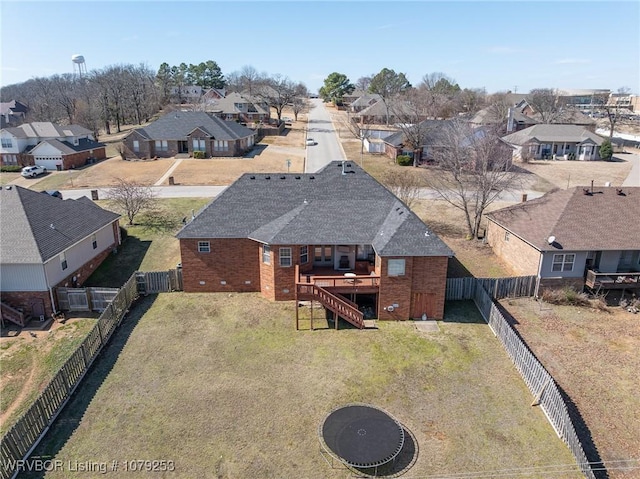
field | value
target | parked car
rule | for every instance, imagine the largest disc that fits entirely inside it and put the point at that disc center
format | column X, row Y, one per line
column 33, row 171
column 311, row 142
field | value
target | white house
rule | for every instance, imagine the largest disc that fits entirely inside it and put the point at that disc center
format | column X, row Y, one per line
column 49, row 145
column 48, row 242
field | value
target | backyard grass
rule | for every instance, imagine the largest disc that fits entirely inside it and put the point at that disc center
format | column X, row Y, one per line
column 594, row 357
column 224, row 386
column 8, row 177
column 150, row 244
column 27, row 364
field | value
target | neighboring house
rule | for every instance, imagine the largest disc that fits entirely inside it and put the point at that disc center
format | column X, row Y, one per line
column 337, row 236
column 543, row 141
column 376, row 113
column 48, row 242
column 364, row 101
column 236, row 107
column 575, row 237
column 49, row 145
column 214, row 94
column 349, row 98
column 186, row 93
column 12, row 113
column 189, row 131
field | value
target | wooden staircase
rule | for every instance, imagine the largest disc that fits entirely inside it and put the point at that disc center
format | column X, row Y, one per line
column 340, row 307
column 13, row 315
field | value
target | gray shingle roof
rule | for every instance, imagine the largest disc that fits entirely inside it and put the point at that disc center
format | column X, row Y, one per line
column 46, row 129
column 69, row 148
column 604, row 220
column 26, row 217
column 177, row 125
column 326, row 207
column 548, row 133
column 227, row 104
column 433, row 133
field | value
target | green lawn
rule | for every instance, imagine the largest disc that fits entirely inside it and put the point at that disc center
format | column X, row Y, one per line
column 224, row 386
column 150, row 244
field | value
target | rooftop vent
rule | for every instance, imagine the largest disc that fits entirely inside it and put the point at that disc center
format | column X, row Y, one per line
column 586, row 191
column 8, row 187
column 267, row 177
column 252, row 177
column 297, row 177
column 619, row 192
column 312, row 177
column 283, row 177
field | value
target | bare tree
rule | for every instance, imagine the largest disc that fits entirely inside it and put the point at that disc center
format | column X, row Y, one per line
column 404, row 183
column 364, row 82
column 278, row 92
column 360, row 132
column 389, row 84
column 300, row 102
column 131, row 197
column 615, row 113
column 475, row 168
column 546, row 105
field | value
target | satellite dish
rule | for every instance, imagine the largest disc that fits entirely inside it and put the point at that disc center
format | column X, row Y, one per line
column 551, row 239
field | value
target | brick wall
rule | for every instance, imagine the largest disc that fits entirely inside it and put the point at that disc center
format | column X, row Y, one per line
column 20, row 299
column 82, row 274
column 430, row 277
column 279, row 282
column 234, row 261
column 79, row 159
column 395, row 290
column 521, row 256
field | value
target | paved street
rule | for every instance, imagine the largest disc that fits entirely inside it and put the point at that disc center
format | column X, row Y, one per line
column 320, row 128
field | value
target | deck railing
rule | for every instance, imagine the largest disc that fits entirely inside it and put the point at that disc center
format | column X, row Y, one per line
column 12, row 314
column 340, row 281
column 340, row 306
column 596, row 280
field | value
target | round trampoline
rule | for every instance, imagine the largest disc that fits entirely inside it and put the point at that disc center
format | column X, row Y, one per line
column 362, row 436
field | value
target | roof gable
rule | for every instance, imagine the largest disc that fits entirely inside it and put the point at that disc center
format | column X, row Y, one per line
column 178, row 125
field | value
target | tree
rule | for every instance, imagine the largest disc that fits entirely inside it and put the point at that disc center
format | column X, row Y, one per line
column 404, row 183
column 544, row 102
column 206, row 74
column 360, row 132
column 278, row 91
column 300, row 102
column 606, row 150
column 131, row 197
column 474, row 169
column 164, row 81
column 388, row 84
column 615, row 113
column 336, row 85
column 444, row 92
column 363, row 82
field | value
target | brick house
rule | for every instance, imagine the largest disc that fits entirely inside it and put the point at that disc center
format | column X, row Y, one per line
column 241, row 108
column 12, row 113
column 185, row 132
column 49, row 145
column 336, row 236
column 46, row 243
column 576, row 237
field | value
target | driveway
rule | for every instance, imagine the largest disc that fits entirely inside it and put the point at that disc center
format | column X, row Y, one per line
column 320, row 128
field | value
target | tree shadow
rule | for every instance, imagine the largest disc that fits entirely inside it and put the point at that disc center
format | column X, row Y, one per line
column 70, row 418
column 256, row 151
column 463, row 312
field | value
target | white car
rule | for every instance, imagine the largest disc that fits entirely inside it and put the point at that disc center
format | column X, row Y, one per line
column 33, row 171
column 311, row 142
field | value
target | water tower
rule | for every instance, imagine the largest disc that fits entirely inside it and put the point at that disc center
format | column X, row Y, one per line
column 79, row 67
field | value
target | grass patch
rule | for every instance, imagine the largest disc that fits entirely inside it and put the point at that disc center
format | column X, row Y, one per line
column 58, row 180
column 150, row 245
column 228, row 376
column 6, row 178
column 29, row 364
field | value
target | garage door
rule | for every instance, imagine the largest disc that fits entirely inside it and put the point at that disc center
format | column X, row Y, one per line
column 48, row 162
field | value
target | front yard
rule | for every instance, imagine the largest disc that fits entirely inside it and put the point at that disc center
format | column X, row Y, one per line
column 224, row 386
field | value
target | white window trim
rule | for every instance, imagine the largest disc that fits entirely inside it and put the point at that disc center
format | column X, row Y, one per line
column 204, row 247
column 286, row 254
column 304, row 253
column 266, row 254
column 63, row 261
column 561, row 260
column 393, row 267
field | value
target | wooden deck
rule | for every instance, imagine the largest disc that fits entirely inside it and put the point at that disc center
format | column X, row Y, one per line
column 600, row 281
column 341, row 282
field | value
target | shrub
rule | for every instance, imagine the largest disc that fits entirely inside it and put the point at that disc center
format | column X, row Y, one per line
column 565, row 296
column 606, row 150
column 198, row 155
column 10, row 168
column 404, row 160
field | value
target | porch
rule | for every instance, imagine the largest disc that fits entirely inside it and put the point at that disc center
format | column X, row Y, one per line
column 341, row 281
column 597, row 281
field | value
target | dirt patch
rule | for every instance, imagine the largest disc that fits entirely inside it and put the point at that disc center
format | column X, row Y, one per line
column 594, row 357
column 567, row 174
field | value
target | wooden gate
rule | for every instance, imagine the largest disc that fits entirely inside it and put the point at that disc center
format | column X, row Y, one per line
column 159, row 281
column 423, row 303
column 85, row 299
column 78, row 300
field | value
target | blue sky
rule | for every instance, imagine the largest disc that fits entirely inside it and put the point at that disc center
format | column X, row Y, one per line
column 500, row 46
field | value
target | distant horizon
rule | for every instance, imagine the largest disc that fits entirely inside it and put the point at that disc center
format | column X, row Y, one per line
column 496, row 46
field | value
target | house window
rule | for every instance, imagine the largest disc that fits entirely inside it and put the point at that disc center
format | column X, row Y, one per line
column 6, row 143
column 94, row 242
column 563, row 262
column 507, row 235
column 161, row 145
column 285, row 257
column 266, row 254
column 395, row 267
column 304, row 254
column 198, row 144
column 63, row 261
column 221, row 145
column 204, row 247
column 136, row 146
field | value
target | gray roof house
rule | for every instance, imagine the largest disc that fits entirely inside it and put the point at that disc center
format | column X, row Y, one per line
column 48, row 242
column 193, row 133
column 547, row 141
column 580, row 236
column 49, row 145
column 271, row 232
column 235, row 106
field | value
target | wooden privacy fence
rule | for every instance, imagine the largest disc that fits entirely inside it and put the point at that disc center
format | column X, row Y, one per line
column 85, row 299
column 513, row 287
column 20, row 441
column 159, row 281
column 539, row 381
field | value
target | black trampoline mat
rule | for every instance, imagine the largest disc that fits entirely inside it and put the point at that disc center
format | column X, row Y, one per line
column 363, row 436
